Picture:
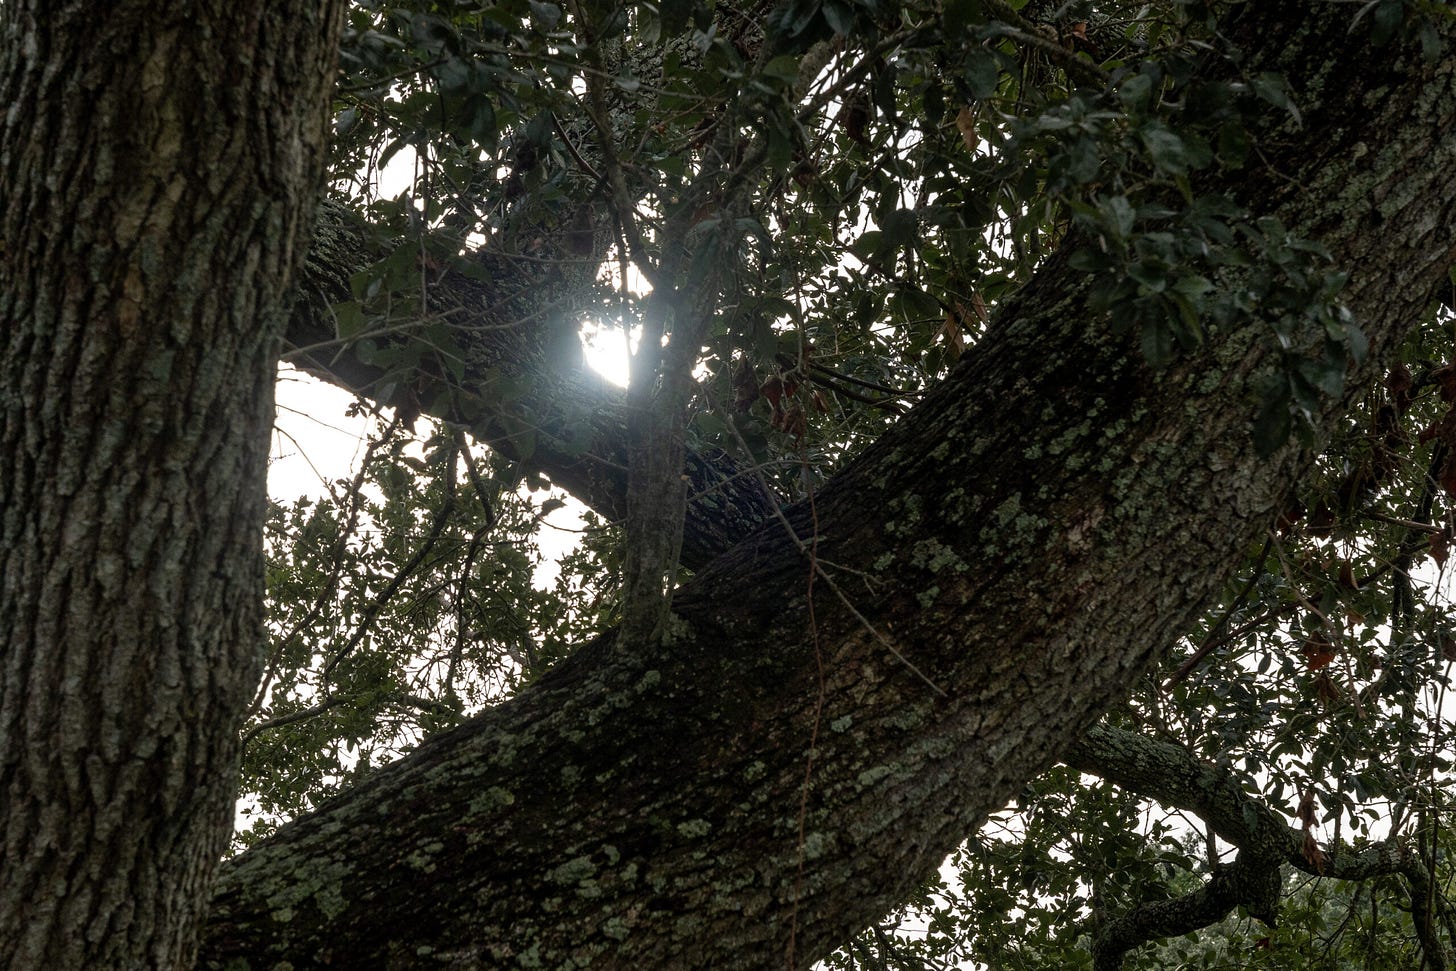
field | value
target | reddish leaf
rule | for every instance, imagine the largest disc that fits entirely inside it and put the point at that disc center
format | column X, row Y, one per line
column 1447, row 474
column 1440, row 546
column 745, row 385
column 1326, row 690
column 1317, row 651
column 1305, row 811
column 1347, row 576
column 1291, row 515
column 773, row 390
column 1313, row 854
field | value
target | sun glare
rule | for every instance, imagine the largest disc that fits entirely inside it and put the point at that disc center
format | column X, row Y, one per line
column 607, row 350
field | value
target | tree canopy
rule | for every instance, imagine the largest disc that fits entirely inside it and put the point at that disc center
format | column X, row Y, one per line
column 1028, row 511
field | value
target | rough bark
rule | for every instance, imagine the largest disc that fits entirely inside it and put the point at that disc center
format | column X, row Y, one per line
column 157, row 167
column 1031, row 537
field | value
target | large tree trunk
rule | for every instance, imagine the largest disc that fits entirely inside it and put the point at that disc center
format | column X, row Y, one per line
column 1030, row 538
column 157, row 167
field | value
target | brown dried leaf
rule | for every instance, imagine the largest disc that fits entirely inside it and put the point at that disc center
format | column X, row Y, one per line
column 1439, row 547
column 1347, row 577
column 1317, row 651
column 1445, row 378
column 1399, row 380
column 955, row 343
column 794, row 421
column 1305, row 811
column 1290, row 517
column 966, row 125
column 1326, row 690
column 1313, row 854
column 773, row 391
column 1446, row 476
column 745, row 385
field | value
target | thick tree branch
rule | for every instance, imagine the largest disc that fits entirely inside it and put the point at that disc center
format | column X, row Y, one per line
column 1248, row 881
column 1169, row 775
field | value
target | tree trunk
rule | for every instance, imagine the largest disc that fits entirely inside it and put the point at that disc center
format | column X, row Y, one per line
column 157, row 168
column 1030, row 538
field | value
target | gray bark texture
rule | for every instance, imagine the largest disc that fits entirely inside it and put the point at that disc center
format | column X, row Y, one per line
column 158, row 163
column 1030, row 538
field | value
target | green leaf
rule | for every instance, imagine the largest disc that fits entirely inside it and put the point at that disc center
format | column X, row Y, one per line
column 1157, row 343
column 349, row 318
column 1136, row 93
column 867, row 245
column 783, row 68
column 1165, row 149
column 839, row 16
column 1274, row 89
column 1273, row 424
column 675, row 15
column 545, row 15
column 981, row 72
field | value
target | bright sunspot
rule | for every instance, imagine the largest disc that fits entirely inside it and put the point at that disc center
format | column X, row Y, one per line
column 607, row 351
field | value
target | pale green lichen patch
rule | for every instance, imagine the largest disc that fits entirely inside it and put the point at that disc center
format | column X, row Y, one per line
column 425, row 858
column 695, row 828
column 841, row 724
column 816, row 845
column 574, row 871
column 490, row 800
column 1069, row 438
column 870, row 776
column 330, row 901
column 910, row 515
column 1009, row 509
column 933, row 555
column 321, row 882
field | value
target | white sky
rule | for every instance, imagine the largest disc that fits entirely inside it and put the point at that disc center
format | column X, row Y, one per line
column 315, row 442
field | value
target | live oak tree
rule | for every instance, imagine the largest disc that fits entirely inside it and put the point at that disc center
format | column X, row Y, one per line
column 1209, row 231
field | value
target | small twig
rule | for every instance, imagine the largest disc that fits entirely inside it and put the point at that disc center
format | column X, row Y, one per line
column 388, row 79
column 290, row 718
column 331, row 584
column 377, row 604
column 1026, row 32
column 1212, row 640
